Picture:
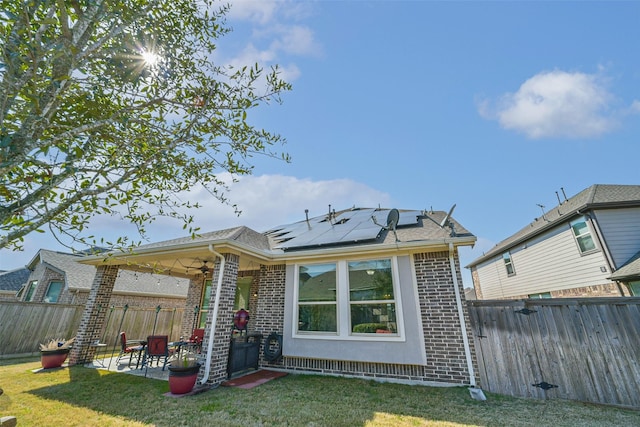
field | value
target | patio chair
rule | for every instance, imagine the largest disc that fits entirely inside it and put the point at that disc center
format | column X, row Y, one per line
column 130, row 350
column 195, row 341
column 157, row 349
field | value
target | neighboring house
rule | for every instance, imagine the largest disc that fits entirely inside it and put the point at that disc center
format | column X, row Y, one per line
column 587, row 246
column 470, row 294
column 347, row 293
column 57, row 277
column 11, row 282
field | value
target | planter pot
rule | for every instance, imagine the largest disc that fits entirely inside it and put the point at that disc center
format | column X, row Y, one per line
column 182, row 380
column 53, row 358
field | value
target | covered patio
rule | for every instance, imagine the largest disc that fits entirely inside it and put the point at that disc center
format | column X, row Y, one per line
column 213, row 263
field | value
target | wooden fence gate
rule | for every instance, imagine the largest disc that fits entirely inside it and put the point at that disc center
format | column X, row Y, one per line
column 580, row 349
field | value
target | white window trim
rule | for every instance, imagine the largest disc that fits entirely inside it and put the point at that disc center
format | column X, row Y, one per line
column 591, row 234
column 343, row 320
column 46, row 294
column 513, row 268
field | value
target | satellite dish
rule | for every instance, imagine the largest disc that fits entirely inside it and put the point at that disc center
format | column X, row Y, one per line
column 446, row 218
column 392, row 221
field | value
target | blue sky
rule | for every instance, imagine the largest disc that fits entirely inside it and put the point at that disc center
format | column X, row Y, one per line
column 492, row 106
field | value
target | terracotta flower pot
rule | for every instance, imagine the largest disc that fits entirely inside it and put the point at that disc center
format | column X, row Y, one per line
column 53, row 358
column 182, row 380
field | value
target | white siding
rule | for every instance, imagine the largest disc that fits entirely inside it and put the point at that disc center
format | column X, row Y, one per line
column 621, row 230
column 549, row 262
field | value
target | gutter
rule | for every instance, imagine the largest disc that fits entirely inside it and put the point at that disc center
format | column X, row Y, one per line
column 476, row 393
column 216, row 306
column 271, row 256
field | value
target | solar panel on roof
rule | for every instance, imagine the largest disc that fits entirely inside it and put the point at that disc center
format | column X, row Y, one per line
column 345, row 227
column 409, row 217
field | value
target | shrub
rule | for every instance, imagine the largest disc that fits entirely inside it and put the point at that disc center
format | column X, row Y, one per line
column 369, row 328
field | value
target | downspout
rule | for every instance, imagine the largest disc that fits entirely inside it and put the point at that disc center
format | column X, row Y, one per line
column 476, row 393
column 216, row 305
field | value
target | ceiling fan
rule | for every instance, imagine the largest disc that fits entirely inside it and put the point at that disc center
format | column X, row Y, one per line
column 205, row 269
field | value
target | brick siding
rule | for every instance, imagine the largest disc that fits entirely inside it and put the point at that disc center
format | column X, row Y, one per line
column 444, row 346
column 446, row 358
column 138, row 301
column 604, row 290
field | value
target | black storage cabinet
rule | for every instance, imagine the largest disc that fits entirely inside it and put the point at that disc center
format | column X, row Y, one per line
column 244, row 353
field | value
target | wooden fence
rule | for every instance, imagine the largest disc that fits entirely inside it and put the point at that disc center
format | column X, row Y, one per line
column 23, row 326
column 580, row 349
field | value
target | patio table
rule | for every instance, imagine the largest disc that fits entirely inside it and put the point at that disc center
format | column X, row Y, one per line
column 98, row 345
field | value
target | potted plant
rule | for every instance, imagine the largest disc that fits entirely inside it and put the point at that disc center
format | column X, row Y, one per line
column 54, row 352
column 183, row 372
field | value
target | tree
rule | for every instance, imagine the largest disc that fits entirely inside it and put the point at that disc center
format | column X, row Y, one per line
column 114, row 107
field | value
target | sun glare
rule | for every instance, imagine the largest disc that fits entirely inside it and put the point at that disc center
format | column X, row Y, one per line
column 150, row 58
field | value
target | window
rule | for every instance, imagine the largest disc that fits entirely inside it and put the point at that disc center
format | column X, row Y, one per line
column 204, row 304
column 53, row 292
column 31, row 289
column 508, row 264
column 583, row 235
column 241, row 299
column 243, row 291
column 317, row 303
column 635, row 288
column 540, row 295
column 371, row 300
column 354, row 298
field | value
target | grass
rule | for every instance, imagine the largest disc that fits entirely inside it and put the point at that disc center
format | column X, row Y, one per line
column 81, row 396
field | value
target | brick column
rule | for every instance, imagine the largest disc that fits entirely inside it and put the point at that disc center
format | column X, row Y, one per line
column 224, row 323
column 92, row 321
column 194, row 298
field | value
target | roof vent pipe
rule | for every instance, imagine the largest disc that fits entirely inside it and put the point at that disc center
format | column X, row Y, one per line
column 216, row 306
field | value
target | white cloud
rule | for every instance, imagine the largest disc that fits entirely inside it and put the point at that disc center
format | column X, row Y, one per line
column 295, row 40
column 261, row 12
column 270, row 200
column 264, row 12
column 276, row 35
column 556, row 104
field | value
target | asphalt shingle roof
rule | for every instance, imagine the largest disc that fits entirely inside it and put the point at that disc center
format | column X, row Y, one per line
column 240, row 234
column 14, row 279
column 629, row 271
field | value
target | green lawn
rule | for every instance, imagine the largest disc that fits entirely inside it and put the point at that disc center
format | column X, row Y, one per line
column 81, row 396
